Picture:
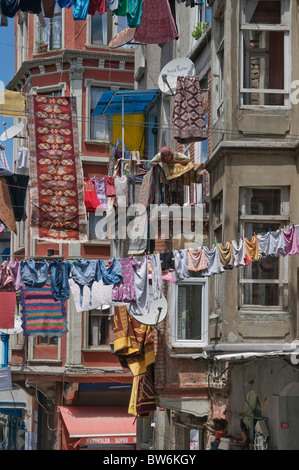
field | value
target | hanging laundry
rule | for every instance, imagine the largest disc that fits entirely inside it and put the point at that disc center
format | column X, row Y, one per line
column 4, row 167
column 110, row 275
column 252, row 248
column 12, row 104
column 97, row 6
column 181, row 264
column 4, row 21
column 188, row 115
column 213, row 260
column 99, row 295
column 17, row 185
column 142, row 401
column 156, row 271
column 239, row 253
column 133, row 342
column 167, row 261
column 8, row 303
column 91, row 199
column 59, row 274
column 100, row 189
column 9, row 7
column 134, row 12
column 122, row 9
column 16, row 269
column 30, row 6
column 48, row 8
column 109, row 185
column 272, row 243
column 174, row 164
column 197, row 260
column 6, row 210
column 34, row 274
column 157, row 25
column 112, row 5
column 84, row 274
column 121, row 190
column 5, row 379
column 226, row 255
column 124, row 291
column 41, row 314
column 133, row 181
column 80, row 9
column 141, row 305
column 57, row 190
column 65, row 3
column 22, row 162
column 291, row 241
column 7, row 278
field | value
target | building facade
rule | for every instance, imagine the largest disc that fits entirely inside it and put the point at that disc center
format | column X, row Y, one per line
column 63, row 57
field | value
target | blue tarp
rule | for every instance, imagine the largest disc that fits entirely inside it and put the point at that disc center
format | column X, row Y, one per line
column 135, row 101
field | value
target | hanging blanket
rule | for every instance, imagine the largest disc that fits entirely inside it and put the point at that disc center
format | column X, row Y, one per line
column 142, row 400
column 41, row 315
column 133, row 342
column 188, row 117
column 57, row 184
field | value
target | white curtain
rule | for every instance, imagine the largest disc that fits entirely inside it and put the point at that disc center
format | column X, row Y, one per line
column 99, row 125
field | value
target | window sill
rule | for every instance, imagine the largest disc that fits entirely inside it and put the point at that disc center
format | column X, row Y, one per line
column 104, row 143
column 255, row 107
column 97, row 349
column 96, row 242
column 262, row 310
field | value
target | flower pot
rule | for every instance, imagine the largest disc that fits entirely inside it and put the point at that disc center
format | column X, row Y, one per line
column 42, row 48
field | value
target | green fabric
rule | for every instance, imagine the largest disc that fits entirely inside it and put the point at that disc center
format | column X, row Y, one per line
column 123, row 8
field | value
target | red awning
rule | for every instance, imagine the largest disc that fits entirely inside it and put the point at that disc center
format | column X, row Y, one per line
column 99, row 425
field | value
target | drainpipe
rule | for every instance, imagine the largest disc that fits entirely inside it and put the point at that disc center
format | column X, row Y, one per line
column 4, row 355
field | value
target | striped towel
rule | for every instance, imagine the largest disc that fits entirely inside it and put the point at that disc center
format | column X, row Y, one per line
column 41, row 314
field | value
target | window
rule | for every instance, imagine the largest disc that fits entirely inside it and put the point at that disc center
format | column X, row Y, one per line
column 99, row 125
column 204, row 13
column 190, row 322
column 218, row 82
column 265, row 53
column 99, row 29
column 99, row 327
column 51, row 34
column 263, row 282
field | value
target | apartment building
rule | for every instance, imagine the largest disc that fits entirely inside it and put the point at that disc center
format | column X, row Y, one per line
column 59, row 56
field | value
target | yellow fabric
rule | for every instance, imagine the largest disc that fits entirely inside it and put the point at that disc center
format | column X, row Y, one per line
column 133, row 397
column 133, row 130
column 174, row 170
column 12, row 104
column 252, row 248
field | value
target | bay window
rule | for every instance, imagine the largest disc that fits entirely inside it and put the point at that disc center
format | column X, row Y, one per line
column 265, row 53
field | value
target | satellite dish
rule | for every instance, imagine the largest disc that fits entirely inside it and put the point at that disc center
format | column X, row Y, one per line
column 16, row 329
column 122, row 38
column 171, row 71
column 11, row 132
column 157, row 313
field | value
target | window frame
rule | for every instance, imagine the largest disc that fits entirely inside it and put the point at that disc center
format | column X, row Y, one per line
column 186, row 343
column 109, row 317
column 283, row 219
column 286, row 29
column 39, row 29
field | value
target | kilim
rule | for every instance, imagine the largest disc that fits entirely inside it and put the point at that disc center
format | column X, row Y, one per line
column 56, row 176
column 133, row 342
column 188, row 116
column 41, row 315
column 142, row 400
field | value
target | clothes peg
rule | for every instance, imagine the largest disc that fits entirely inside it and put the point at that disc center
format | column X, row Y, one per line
column 229, row 241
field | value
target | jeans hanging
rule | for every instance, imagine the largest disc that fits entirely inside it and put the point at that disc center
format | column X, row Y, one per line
column 84, row 274
column 112, row 275
column 59, row 274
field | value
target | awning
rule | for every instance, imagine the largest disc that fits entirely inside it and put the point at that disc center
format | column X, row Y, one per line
column 125, row 101
column 97, row 425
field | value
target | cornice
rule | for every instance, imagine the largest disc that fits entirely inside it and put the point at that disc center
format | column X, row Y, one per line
column 24, row 72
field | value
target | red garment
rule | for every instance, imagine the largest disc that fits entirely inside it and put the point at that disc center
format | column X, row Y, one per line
column 157, row 24
column 110, row 188
column 90, row 196
column 97, row 5
column 7, row 310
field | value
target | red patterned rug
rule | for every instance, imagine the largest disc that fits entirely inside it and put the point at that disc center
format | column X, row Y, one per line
column 56, row 178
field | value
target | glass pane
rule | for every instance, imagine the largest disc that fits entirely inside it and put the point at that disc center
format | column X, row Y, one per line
column 99, row 28
column 265, row 12
column 266, row 268
column 263, row 202
column 99, row 125
column 98, row 330
column 261, row 294
column 189, row 312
